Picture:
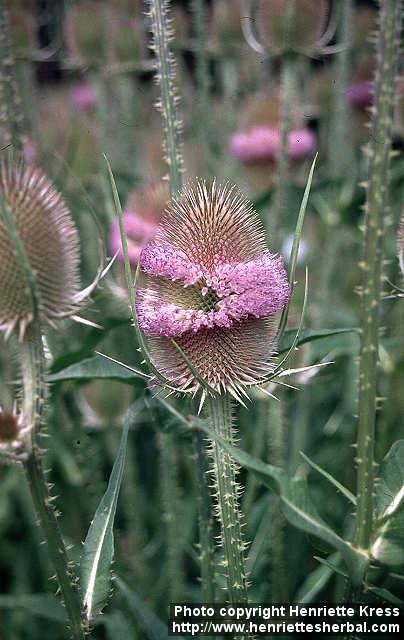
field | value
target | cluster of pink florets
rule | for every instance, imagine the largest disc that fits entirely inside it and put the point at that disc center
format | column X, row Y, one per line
column 263, row 143
column 255, row 288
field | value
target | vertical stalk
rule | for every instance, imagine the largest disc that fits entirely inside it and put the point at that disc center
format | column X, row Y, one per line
column 10, row 101
column 33, row 367
column 204, row 130
column 207, row 555
column 287, row 96
column 171, row 516
column 371, row 265
column 278, row 571
column 165, row 77
column 340, row 148
column 227, row 499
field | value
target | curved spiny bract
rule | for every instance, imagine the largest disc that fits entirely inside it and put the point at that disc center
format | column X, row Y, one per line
column 50, row 241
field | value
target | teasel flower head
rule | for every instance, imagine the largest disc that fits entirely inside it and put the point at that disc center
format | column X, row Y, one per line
column 49, row 241
column 141, row 216
column 291, row 26
column 13, row 435
column 210, row 286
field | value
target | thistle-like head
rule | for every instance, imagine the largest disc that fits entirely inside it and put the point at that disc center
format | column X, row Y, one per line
column 210, row 283
column 287, row 26
column 48, row 239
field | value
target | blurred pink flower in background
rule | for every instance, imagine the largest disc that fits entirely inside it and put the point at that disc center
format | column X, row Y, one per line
column 141, row 216
column 83, row 96
column 138, row 234
column 262, row 144
column 360, row 94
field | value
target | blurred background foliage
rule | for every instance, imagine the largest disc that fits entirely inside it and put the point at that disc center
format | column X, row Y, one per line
column 85, row 76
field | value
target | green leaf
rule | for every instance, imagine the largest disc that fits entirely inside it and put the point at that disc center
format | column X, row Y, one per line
column 154, row 628
column 44, row 605
column 297, row 505
column 388, row 544
column 295, row 247
column 384, row 594
column 315, row 582
column 308, row 335
column 98, row 550
column 97, row 367
column 117, row 626
column 330, row 479
column 92, row 338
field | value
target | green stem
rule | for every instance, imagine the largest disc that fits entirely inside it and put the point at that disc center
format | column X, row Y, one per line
column 287, row 96
column 376, row 204
column 202, row 111
column 171, row 501
column 165, row 77
column 227, row 498
column 207, row 553
column 340, row 147
column 33, row 368
column 10, row 101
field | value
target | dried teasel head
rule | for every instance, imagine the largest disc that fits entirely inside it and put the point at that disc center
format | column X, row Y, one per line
column 13, row 435
column 210, row 283
column 287, row 26
column 48, row 238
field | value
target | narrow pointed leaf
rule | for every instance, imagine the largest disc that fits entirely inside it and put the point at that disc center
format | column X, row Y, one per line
column 98, row 550
column 153, row 627
column 43, row 605
column 97, row 367
column 388, row 544
column 308, row 335
column 297, row 505
column 330, row 479
column 315, row 582
column 295, row 247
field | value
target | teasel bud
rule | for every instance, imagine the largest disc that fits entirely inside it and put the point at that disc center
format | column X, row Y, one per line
column 211, row 285
column 291, row 26
column 12, row 435
column 49, row 240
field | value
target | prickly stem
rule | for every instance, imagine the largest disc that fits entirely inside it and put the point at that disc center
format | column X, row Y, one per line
column 162, row 34
column 372, row 261
column 226, row 494
column 206, row 525
column 33, row 383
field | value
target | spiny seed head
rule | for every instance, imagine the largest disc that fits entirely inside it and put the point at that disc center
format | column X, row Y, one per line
column 50, row 241
column 291, row 25
column 210, row 283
